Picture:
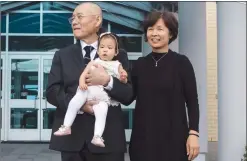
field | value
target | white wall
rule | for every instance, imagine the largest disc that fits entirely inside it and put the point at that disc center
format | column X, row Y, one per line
column 231, row 80
column 192, row 43
column 175, row 44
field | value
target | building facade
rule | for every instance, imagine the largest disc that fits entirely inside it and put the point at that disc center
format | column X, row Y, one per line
column 31, row 32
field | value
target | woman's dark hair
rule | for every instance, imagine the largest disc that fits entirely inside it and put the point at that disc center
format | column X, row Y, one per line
column 169, row 19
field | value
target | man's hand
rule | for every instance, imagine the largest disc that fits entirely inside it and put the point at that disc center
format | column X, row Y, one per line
column 88, row 107
column 97, row 76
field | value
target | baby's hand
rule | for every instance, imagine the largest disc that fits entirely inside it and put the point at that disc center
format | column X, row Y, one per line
column 123, row 76
column 83, row 86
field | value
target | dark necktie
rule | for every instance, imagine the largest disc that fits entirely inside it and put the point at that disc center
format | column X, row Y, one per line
column 87, row 57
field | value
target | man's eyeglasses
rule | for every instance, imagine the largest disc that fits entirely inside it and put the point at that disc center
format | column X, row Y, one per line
column 79, row 17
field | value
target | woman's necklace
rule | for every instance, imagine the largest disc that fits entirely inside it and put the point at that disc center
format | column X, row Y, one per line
column 156, row 61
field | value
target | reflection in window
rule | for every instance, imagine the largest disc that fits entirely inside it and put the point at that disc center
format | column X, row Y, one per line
column 3, row 43
column 39, row 43
column 48, row 118
column 105, row 25
column 120, row 29
column 24, row 79
column 23, row 118
column 51, row 6
column 128, row 117
column 3, row 23
column 56, row 23
column 132, row 64
column 29, row 6
column 24, row 23
column 131, row 44
column 46, row 69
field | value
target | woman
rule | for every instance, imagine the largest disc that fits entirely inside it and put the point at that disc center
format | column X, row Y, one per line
column 163, row 82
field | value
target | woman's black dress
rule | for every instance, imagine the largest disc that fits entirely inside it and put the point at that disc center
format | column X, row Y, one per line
column 160, row 127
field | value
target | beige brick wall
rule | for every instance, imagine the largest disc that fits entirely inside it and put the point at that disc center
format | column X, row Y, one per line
column 212, row 107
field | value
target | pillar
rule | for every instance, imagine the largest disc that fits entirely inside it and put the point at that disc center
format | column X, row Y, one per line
column 193, row 44
column 231, row 18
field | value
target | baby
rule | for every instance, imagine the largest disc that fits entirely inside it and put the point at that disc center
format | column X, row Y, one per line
column 107, row 50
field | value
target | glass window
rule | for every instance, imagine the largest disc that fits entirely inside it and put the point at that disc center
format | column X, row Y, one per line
column 39, row 43
column 23, row 118
column 132, row 64
column 131, row 44
column 51, row 6
column 120, row 29
column 3, row 43
column 3, row 23
column 48, row 119
column 46, row 71
column 56, row 23
column 24, row 23
column 30, row 7
column 24, row 78
column 105, row 25
column 128, row 117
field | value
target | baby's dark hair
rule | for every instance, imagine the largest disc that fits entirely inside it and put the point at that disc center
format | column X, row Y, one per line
column 110, row 35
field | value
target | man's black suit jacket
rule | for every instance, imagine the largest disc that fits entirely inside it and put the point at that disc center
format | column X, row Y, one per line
column 63, row 81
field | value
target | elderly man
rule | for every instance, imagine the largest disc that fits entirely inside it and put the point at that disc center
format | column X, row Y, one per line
column 68, row 63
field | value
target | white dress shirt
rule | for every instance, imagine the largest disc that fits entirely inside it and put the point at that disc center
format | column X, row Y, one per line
column 92, row 56
column 93, row 52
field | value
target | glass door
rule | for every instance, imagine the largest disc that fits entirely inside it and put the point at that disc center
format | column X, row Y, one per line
column 2, row 87
column 31, row 116
column 2, row 95
column 47, row 110
column 128, row 116
column 24, row 97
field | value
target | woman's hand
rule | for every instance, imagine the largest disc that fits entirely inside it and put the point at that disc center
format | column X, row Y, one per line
column 192, row 146
column 123, row 76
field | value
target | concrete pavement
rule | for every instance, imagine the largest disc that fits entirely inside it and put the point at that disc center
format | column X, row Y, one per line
column 40, row 152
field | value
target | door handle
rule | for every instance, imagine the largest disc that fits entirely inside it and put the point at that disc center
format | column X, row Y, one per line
column 35, row 103
column 44, row 98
